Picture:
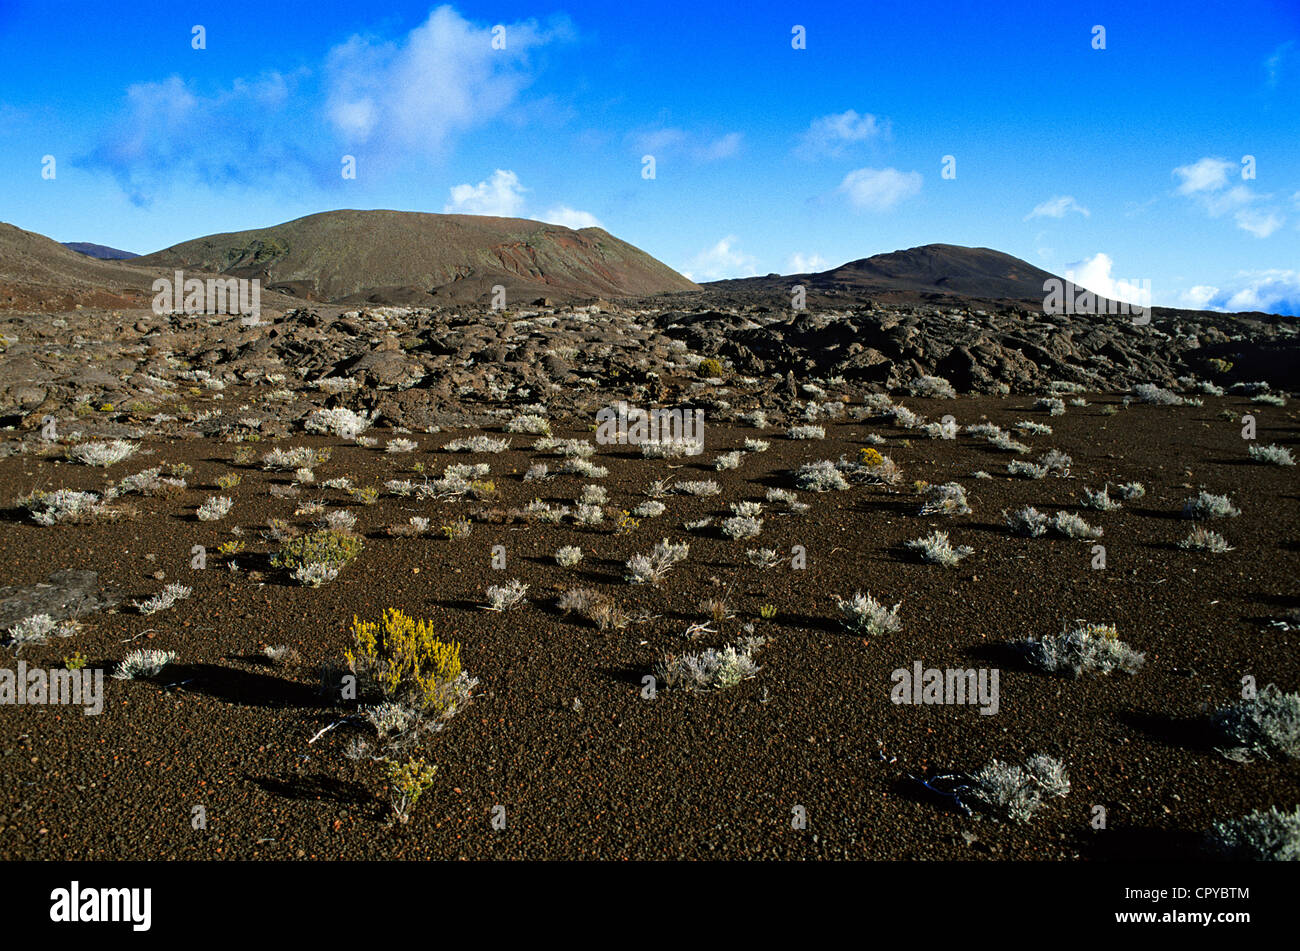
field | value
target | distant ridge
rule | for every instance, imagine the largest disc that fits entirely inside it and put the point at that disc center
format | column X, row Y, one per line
column 919, row 273
column 100, row 251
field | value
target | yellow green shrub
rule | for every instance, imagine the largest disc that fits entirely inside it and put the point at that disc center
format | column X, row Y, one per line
column 405, row 660
column 324, row 547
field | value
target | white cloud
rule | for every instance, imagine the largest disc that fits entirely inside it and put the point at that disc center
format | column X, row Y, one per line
column 800, row 263
column 1273, row 65
column 1198, row 297
column 1206, row 182
column 832, row 135
column 571, row 218
column 1094, row 274
column 879, row 189
column 1275, row 291
column 1056, row 207
column 1207, row 174
column 1259, row 223
column 163, row 135
column 441, row 79
column 722, row 260
column 664, row 141
column 500, row 195
column 724, row 147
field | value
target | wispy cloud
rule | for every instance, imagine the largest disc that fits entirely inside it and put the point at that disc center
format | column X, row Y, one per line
column 1274, row 291
column 439, row 81
column 800, row 263
column 1207, row 182
column 670, row 141
column 411, row 96
column 170, row 133
column 879, row 189
column 1057, row 207
column 722, row 260
column 834, row 134
column 1276, row 63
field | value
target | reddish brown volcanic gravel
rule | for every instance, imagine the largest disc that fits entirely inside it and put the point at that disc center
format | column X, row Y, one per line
column 707, row 775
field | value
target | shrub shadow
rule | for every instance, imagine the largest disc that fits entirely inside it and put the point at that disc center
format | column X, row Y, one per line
column 1191, row 733
column 245, row 688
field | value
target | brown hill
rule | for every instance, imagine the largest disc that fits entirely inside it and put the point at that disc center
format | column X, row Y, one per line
column 37, row 272
column 918, row 274
column 404, row 257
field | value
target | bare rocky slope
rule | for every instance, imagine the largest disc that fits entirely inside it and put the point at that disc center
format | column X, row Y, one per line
column 400, row 257
column 38, row 273
column 924, row 274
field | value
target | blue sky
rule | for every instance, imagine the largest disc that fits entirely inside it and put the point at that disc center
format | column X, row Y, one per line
column 1122, row 164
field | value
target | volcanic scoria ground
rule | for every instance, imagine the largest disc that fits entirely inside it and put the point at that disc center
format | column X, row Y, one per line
column 559, row 738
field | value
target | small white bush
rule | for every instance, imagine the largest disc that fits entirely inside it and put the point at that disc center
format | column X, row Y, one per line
column 1272, row 454
column 1265, row 835
column 589, row 514
column 164, row 599
column 504, row 597
column 583, row 467
column 214, row 508
column 763, row 557
column 807, row 432
column 477, row 444
column 102, row 454
column 1026, row 470
column 1099, row 499
column 711, row 668
column 286, row 459
column 650, row 569
column 699, row 488
column 1033, row 428
column 672, row 448
column 820, row 476
column 536, row 425
column 937, row 550
column 1027, row 522
column 1266, row 725
column 948, row 499
column 1155, row 395
column 1131, row 490
column 1072, row 526
column 1206, row 505
column 314, row 574
column 1203, row 539
column 932, row 387
column 1083, row 648
column 143, row 663
column 742, row 526
column 864, row 614
column 339, row 421
column 1015, row 792
column 61, row 505
column 37, row 628
column 568, row 556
